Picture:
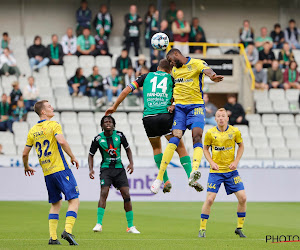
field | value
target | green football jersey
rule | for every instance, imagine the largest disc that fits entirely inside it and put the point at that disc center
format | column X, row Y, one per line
column 110, row 148
column 157, row 91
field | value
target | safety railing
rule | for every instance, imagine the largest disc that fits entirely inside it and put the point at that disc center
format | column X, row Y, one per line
column 206, row 45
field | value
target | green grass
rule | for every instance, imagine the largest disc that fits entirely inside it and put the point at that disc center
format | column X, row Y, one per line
column 163, row 225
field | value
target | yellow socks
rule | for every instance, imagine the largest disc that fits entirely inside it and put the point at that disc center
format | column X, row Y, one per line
column 203, row 221
column 70, row 221
column 167, row 157
column 53, row 222
column 241, row 219
column 197, row 156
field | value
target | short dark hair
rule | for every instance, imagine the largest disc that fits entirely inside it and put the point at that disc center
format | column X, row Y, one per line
column 77, row 71
column 53, row 35
column 5, row 34
column 38, row 106
column 107, row 116
column 125, row 50
column 231, row 95
column 277, row 25
column 165, row 65
column 292, row 21
column 291, row 64
column 172, row 51
column 37, row 37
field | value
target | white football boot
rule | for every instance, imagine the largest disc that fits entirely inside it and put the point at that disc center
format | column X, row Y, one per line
column 132, row 230
column 195, row 175
column 97, row 228
column 155, row 186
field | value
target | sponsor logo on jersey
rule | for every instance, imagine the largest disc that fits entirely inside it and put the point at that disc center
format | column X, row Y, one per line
column 111, row 151
column 218, row 148
column 230, row 136
column 189, row 67
column 181, row 80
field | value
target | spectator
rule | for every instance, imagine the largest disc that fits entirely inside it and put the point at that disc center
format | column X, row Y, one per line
column 69, row 42
column 211, row 110
column 55, row 52
column 252, row 54
column 154, row 28
column 78, row 83
column 20, row 113
column 123, row 62
column 262, row 39
column 145, row 70
column 83, row 17
column 198, row 49
column 246, row 33
column 30, row 94
column 129, row 76
column 165, row 29
column 196, row 28
column 37, row 54
column 140, row 63
column 181, row 30
column 235, row 111
column 291, row 35
column 5, row 40
column 285, row 56
column 148, row 21
column 1, row 150
column 101, row 44
column 8, row 64
column 15, row 94
column 266, row 56
column 103, row 20
column 113, row 85
column 277, row 36
column 275, row 76
column 291, row 77
column 95, row 84
column 171, row 14
column 260, row 76
column 154, row 60
column 5, row 114
column 132, row 29
column 86, row 43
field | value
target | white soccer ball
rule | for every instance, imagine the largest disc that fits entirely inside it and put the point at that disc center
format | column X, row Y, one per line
column 160, row 41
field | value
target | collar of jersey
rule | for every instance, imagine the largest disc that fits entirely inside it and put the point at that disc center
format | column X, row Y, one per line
column 224, row 130
column 189, row 59
column 41, row 121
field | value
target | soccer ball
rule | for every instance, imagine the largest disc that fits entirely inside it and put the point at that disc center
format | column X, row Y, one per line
column 160, row 41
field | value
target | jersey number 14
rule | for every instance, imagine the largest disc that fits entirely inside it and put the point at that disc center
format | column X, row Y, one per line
column 161, row 85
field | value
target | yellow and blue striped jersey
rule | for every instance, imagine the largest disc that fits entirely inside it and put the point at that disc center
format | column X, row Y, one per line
column 189, row 82
column 50, row 154
column 223, row 146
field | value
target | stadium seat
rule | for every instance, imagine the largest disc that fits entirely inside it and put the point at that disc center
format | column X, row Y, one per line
column 20, row 149
column 88, row 129
column 286, row 120
column 56, row 71
column 274, row 131
column 120, row 117
column 134, row 117
column 42, row 81
column 249, row 153
column 123, row 152
column 294, row 107
column 69, row 117
column 247, row 141
column 42, row 72
column 103, row 62
column 269, row 119
column 243, row 129
column 45, row 92
column 59, row 82
column 281, row 106
column 295, row 154
column 20, row 139
column 6, row 138
column 78, row 150
column 265, row 154
column 87, row 71
column 65, row 103
column 71, row 128
column 81, row 103
column 290, row 131
column 292, row 95
column 293, row 143
column 99, row 115
column 86, row 118
column 20, row 127
column 276, row 94
column 61, row 92
column 281, row 154
column 264, row 106
column 297, row 120
column 10, row 149
column 70, row 61
column 257, row 131
column 276, row 53
column 260, row 142
column 213, row 52
column 7, row 81
column 277, row 142
column 260, row 95
column 73, row 140
column 253, row 118
column 86, row 61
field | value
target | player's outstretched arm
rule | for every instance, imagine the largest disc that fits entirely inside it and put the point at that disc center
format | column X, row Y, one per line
column 129, row 156
column 91, row 166
column 119, row 100
column 207, row 155
column 66, row 147
column 238, row 157
column 213, row 75
column 28, row 170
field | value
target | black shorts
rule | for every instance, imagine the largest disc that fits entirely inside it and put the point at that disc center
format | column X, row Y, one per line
column 158, row 125
column 113, row 176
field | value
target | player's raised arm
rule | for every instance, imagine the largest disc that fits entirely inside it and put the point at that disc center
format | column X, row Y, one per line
column 66, row 147
column 213, row 75
column 119, row 100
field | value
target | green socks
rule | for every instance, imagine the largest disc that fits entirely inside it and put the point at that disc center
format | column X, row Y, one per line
column 187, row 165
column 129, row 217
column 100, row 214
column 157, row 159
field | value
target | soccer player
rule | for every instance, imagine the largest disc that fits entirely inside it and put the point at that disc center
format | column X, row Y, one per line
column 222, row 139
column 112, row 171
column 47, row 138
column 158, row 115
column 189, row 110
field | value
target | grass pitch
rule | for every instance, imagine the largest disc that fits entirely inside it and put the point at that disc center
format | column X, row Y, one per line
column 163, row 225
